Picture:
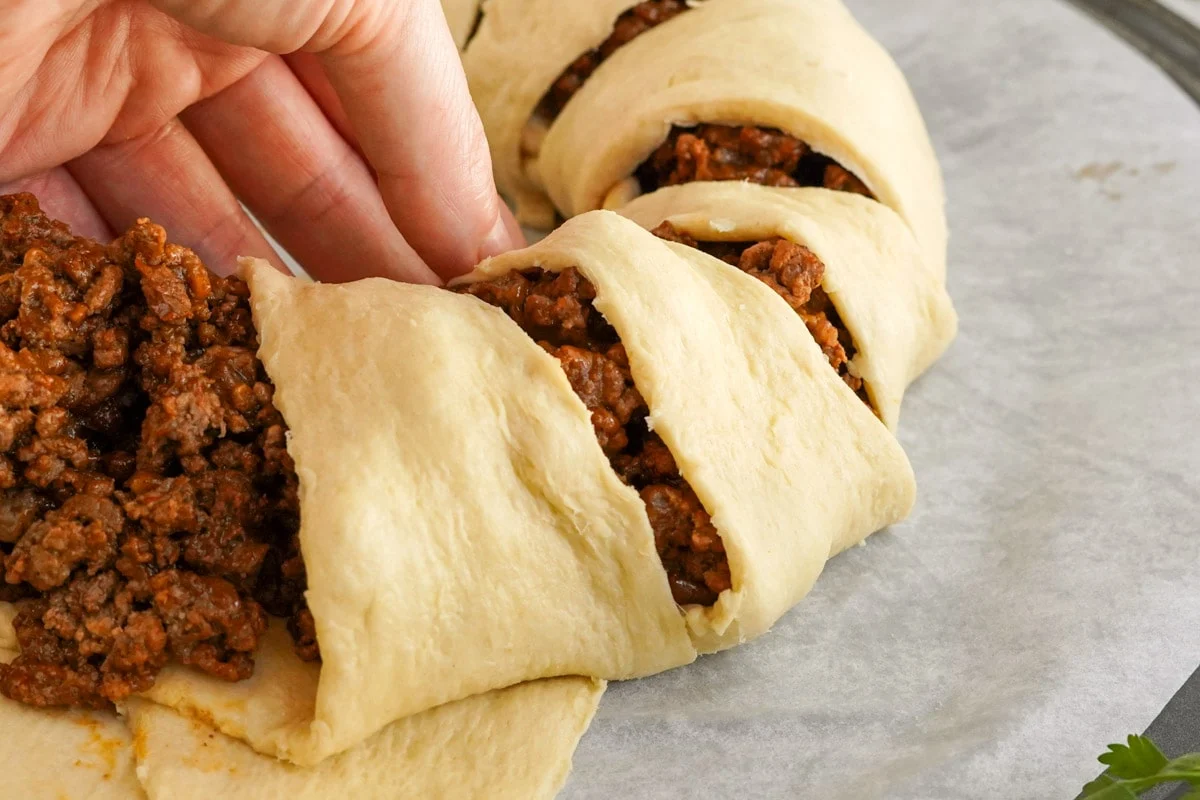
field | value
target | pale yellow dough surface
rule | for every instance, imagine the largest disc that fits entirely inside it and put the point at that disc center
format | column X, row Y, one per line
column 888, row 296
column 507, row 81
column 791, row 465
column 461, row 528
column 61, row 754
column 803, row 66
column 461, row 15
column 511, row 743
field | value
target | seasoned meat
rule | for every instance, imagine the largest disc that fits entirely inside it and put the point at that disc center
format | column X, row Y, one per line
column 604, row 384
column 148, row 507
column 684, row 535
column 742, row 153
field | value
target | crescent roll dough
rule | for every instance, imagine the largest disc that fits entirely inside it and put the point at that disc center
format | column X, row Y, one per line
column 513, row 743
column 461, row 16
column 476, row 566
column 888, row 296
column 802, row 66
column 62, row 754
column 790, row 464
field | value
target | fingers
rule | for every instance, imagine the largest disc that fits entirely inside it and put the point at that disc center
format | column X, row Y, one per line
column 312, row 76
column 167, row 176
column 310, row 189
column 61, row 197
column 398, row 75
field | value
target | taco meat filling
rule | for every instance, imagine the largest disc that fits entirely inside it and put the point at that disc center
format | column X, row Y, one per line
column 764, row 156
column 148, row 505
column 795, row 273
column 556, row 310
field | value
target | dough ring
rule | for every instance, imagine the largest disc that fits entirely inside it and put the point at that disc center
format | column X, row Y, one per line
column 595, row 458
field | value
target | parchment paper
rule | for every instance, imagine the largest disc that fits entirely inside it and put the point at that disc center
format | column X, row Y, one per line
column 1043, row 599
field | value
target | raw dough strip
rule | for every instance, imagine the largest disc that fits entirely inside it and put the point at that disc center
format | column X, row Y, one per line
column 791, row 465
column 895, row 308
column 510, row 744
column 804, row 67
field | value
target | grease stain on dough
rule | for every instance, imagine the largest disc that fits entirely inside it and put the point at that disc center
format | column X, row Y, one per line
column 104, row 748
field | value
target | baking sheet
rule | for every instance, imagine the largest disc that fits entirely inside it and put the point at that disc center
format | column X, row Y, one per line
column 1041, row 602
column 1189, row 9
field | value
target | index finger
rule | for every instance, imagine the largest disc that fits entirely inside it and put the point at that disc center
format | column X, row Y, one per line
column 401, row 82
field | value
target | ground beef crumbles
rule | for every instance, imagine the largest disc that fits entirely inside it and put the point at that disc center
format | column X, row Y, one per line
column 795, row 273
column 556, row 310
column 742, row 153
column 148, row 505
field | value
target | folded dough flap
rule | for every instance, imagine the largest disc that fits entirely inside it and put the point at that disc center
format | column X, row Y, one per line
column 805, row 67
column 890, row 299
column 461, row 529
column 790, row 464
column 64, row 754
column 509, row 743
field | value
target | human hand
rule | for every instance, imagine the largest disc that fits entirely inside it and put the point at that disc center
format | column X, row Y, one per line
column 359, row 151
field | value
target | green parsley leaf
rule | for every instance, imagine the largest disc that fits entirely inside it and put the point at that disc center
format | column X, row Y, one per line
column 1139, row 765
column 1140, row 758
column 1094, row 788
column 1114, row 791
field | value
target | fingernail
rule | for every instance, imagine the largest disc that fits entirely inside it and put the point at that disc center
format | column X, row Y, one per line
column 505, row 235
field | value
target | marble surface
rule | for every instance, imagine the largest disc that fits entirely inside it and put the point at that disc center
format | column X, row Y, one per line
column 1041, row 601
